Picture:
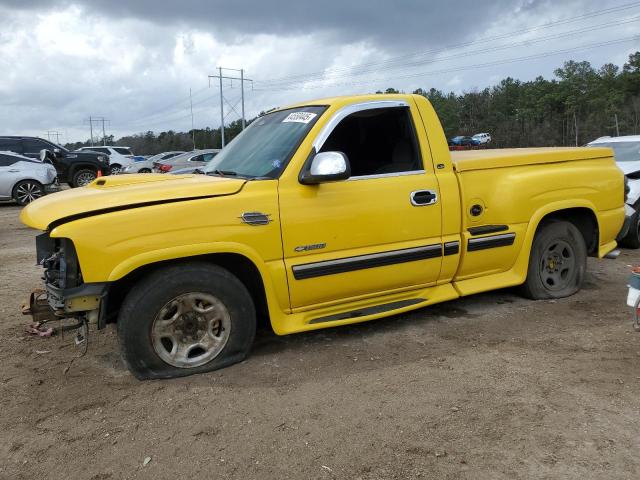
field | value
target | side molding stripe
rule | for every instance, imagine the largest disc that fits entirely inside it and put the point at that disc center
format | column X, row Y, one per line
column 451, row 248
column 484, row 229
column 342, row 265
column 493, row 241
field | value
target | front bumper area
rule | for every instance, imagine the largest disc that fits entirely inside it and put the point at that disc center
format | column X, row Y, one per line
column 86, row 301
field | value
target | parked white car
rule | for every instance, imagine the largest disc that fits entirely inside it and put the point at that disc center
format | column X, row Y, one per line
column 482, row 138
column 146, row 166
column 119, row 157
column 25, row 179
column 627, row 153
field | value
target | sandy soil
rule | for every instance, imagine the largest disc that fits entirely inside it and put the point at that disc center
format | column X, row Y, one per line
column 492, row 386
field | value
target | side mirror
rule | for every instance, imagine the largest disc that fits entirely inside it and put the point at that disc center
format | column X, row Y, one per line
column 326, row 167
column 45, row 156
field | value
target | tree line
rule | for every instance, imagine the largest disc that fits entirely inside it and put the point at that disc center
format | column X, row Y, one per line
column 579, row 104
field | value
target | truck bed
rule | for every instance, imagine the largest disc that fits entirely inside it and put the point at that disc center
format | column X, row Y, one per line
column 512, row 157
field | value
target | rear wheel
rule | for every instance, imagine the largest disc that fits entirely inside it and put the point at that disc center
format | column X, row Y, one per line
column 27, row 191
column 83, row 177
column 115, row 169
column 186, row 319
column 144, row 170
column 557, row 262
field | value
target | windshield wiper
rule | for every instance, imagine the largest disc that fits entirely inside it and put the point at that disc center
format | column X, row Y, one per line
column 223, row 173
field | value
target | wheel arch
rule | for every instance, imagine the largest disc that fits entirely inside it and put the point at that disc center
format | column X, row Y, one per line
column 238, row 264
column 584, row 219
column 581, row 212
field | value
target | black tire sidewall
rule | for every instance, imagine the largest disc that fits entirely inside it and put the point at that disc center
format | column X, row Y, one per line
column 24, row 182
column 632, row 238
column 548, row 233
column 139, row 309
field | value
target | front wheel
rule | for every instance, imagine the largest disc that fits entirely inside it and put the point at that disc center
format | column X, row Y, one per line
column 144, row 170
column 27, row 191
column 115, row 169
column 186, row 319
column 83, row 177
column 557, row 262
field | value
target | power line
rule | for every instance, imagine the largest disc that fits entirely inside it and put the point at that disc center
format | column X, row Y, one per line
column 395, row 60
column 471, row 67
column 484, row 50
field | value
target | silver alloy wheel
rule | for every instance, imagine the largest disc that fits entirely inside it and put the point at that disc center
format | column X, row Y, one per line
column 85, row 178
column 115, row 169
column 191, row 330
column 27, row 192
column 557, row 265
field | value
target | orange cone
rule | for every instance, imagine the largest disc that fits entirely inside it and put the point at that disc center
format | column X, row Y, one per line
column 99, row 174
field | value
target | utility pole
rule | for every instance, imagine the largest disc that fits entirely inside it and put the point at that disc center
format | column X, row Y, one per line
column 242, row 94
column 221, row 107
column 575, row 126
column 220, row 77
column 91, row 128
column 617, row 126
column 193, row 131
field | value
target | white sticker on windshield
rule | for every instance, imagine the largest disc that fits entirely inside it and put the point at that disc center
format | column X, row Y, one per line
column 300, row 117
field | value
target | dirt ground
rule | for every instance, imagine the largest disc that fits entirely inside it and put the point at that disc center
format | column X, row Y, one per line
column 492, row 386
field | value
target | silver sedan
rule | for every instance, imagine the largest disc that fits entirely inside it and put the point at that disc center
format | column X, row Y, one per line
column 194, row 159
column 25, row 179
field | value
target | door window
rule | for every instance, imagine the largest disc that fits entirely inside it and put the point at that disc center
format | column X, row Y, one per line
column 377, row 141
column 11, row 145
column 34, row 146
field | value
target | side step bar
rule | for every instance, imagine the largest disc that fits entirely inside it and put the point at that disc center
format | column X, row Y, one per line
column 386, row 307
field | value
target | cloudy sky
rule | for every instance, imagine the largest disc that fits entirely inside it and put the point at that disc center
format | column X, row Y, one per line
column 134, row 61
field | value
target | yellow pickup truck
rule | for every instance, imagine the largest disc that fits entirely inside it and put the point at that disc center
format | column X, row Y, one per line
column 321, row 214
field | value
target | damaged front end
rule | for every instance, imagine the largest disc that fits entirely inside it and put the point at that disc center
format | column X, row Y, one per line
column 65, row 295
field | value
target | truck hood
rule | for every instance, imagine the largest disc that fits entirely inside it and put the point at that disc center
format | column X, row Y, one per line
column 121, row 192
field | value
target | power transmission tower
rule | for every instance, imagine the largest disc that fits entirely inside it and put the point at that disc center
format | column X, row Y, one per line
column 53, row 133
column 98, row 120
column 221, row 77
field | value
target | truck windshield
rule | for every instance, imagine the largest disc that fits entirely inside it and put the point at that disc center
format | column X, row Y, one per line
column 624, row 151
column 264, row 148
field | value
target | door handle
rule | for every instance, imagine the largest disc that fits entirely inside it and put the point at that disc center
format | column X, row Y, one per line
column 421, row 198
column 13, row 171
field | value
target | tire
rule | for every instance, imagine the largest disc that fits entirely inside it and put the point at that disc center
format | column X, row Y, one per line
column 557, row 262
column 144, row 170
column 83, row 177
column 115, row 169
column 161, row 334
column 27, row 191
column 632, row 238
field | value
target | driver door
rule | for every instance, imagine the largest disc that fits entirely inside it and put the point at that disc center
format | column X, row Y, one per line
column 377, row 232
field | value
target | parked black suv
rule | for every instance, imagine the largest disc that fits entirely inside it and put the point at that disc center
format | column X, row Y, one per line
column 75, row 168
